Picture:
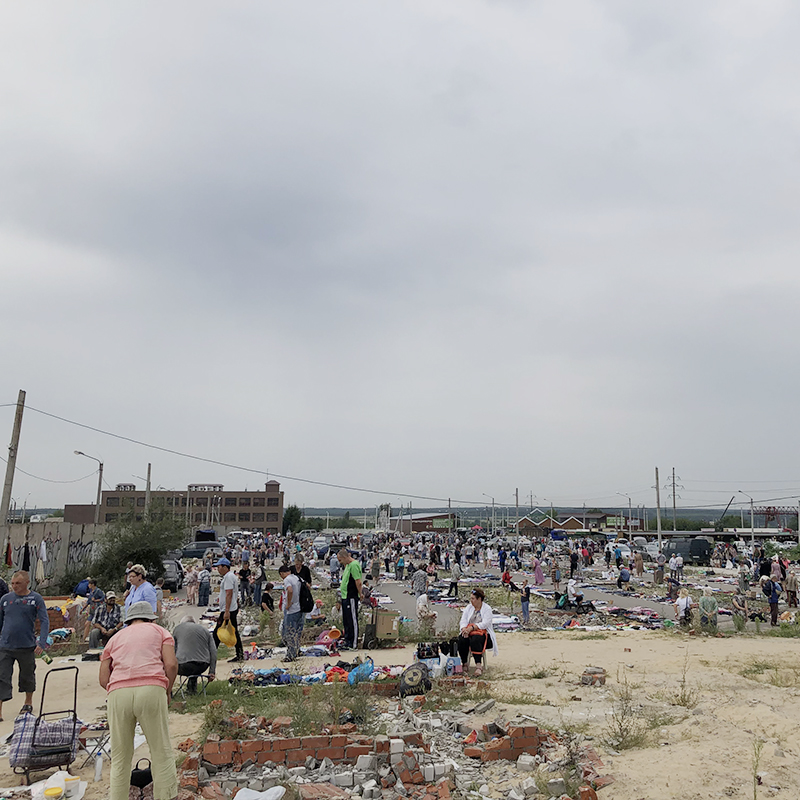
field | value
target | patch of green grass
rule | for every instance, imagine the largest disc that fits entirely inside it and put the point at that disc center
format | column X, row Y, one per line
column 310, row 707
column 592, row 635
column 786, row 630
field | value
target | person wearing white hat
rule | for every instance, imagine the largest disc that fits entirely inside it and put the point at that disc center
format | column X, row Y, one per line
column 138, row 669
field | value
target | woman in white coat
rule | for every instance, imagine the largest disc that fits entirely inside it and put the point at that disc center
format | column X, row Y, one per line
column 477, row 632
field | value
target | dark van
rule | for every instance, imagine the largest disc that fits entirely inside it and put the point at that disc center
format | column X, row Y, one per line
column 695, row 551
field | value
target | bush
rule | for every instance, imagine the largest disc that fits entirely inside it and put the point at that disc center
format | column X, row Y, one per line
column 143, row 541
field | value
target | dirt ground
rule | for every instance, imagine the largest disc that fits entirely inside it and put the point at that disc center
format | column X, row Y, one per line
column 734, row 692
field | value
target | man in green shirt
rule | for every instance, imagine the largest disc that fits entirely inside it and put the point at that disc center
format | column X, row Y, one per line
column 350, row 590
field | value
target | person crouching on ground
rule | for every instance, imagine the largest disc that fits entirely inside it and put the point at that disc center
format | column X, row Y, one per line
column 683, row 608
column 573, row 595
column 477, row 632
column 138, row 668
column 106, row 621
column 624, row 578
column 195, row 651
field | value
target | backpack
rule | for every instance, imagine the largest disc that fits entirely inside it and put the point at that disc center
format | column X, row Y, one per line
column 767, row 589
column 306, row 598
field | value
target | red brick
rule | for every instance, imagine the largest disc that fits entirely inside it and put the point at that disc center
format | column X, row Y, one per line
column 508, row 754
column 229, row 746
column 285, row 744
column 251, row 747
column 211, row 748
column 490, row 755
column 189, row 780
column 313, row 742
column 298, row 756
column 382, row 744
column 276, row 758
column 213, row 791
column 218, row 759
column 526, row 743
column 443, row 789
column 603, row 780
column 333, row 753
column 473, row 752
column 282, row 722
column 413, row 739
column 190, row 762
column 417, row 777
column 587, row 793
column 339, row 741
column 355, row 750
column 498, row 744
column 405, row 776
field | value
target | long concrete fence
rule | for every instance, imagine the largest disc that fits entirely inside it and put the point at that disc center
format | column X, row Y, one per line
column 49, row 550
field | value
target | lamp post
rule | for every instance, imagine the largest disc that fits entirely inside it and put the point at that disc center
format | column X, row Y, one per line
column 492, row 499
column 752, row 524
column 630, row 511
column 99, row 483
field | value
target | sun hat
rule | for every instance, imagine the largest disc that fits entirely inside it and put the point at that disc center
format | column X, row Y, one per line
column 223, row 562
column 140, row 610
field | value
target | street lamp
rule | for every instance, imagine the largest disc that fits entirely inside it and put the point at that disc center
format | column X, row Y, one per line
column 630, row 512
column 492, row 499
column 752, row 523
column 99, row 483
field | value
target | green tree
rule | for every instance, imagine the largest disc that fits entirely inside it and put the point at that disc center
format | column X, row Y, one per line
column 291, row 516
column 144, row 541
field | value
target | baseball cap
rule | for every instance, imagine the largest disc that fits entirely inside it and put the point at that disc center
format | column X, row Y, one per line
column 223, row 562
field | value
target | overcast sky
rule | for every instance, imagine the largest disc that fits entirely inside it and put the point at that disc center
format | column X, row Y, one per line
column 439, row 249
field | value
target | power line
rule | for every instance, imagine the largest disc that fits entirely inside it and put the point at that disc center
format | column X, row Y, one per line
column 251, row 469
column 50, row 480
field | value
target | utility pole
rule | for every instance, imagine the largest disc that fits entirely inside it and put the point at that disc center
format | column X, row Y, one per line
column 10, row 466
column 147, row 492
column 516, row 494
column 658, row 510
column 674, row 503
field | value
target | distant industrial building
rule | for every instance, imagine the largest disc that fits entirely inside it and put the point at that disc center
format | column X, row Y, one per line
column 201, row 505
column 423, row 523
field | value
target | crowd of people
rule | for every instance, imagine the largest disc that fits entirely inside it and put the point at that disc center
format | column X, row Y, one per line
column 141, row 661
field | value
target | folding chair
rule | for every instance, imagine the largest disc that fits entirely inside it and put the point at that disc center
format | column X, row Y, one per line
column 183, row 684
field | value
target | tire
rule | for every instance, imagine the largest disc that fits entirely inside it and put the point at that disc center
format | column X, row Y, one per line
column 371, row 644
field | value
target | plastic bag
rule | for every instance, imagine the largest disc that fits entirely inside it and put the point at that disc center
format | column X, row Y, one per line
column 227, row 634
column 361, row 673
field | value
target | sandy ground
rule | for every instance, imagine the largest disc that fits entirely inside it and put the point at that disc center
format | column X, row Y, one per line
column 702, row 751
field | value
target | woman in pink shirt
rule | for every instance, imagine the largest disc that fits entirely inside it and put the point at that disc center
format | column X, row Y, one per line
column 138, row 668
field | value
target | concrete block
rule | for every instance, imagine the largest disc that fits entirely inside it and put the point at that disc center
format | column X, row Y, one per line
column 395, row 758
column 359, row 778
column 556, row 786
column 439, row 770
column 297, row 771
column 396, row 746
column 429, row 773
column 526, row 763
column 365, row 763
column 344, row 779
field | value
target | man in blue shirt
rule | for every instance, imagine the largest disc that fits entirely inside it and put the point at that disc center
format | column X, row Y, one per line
column 19, row 610
column 141, row 589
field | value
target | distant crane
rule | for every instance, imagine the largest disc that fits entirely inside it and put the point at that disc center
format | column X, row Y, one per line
column 718, row 527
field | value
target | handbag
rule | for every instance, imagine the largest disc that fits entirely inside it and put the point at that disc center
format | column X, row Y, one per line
column 141, row 777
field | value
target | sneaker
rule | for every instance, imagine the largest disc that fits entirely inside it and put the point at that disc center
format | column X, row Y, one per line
column 235, row 659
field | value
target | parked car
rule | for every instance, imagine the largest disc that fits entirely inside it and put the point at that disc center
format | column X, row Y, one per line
column 198, row 550
column 173, row 574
